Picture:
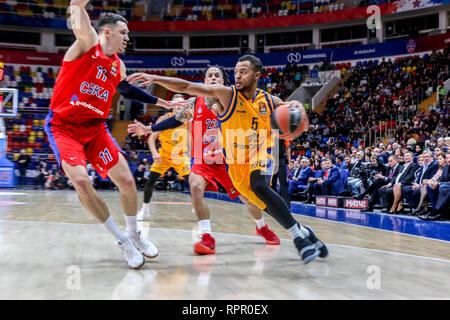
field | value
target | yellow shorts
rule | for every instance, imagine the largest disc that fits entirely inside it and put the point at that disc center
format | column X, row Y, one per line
column 182, row 167
column 240, row 175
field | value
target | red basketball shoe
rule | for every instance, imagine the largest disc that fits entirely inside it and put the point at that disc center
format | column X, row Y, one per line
column 266, row 233
column 206, row 246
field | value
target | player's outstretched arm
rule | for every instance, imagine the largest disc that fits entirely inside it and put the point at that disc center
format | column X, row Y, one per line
column 81, row 25
column 218, row 91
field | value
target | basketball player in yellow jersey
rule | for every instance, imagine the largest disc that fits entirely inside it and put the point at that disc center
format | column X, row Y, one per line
column 172, row 154
column 245, row 109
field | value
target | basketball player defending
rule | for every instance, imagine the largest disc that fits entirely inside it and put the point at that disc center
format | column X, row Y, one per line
column 76, row 128
column 172, row 154
column 244, row 107
column 209, row 165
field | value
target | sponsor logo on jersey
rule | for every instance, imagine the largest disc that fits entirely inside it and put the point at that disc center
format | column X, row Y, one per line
column 114, row 69
column 74, row 101
column 262, row 109
column 94, row 90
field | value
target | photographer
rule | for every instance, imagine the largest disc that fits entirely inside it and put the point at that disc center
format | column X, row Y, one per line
column 354, row 182
column 381, row 179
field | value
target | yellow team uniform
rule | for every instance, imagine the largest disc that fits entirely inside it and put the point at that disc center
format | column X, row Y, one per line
column 247, row 140
column 173, row 151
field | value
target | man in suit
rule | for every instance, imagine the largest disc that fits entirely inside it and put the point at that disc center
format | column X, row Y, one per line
column 439, row 194
column 426, row 171
column 404, row 178
column 340, row 162
column 300, row 179
column 380, row 181
column 330, row 183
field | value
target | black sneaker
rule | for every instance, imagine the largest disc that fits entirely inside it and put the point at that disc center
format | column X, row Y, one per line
column 317, row 243
column 306, row 249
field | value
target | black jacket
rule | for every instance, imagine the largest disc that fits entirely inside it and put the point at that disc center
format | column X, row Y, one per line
column 445, row 177
column 408, row 176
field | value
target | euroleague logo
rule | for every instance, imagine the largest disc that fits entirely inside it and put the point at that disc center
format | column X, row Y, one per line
column 294, row 57
column 411, row 46
column 177, row 61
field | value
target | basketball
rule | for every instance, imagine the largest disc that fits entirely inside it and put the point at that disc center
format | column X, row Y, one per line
column 291, row 121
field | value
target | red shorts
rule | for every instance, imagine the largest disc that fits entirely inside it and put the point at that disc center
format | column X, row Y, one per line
column 76, row 143
column 213, row 173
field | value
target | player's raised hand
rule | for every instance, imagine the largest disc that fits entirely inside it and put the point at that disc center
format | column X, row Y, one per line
column 139, row 129
column 146, row 79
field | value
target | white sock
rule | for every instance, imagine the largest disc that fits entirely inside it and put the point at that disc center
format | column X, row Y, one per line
column 298, row 231
column 131, row 224
column 205, row 226
column 146, row 205
column 110, row 225
column 260, row 223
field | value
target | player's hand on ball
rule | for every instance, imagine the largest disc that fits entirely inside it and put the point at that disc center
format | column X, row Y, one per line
column 146, row 79
column 138, row 129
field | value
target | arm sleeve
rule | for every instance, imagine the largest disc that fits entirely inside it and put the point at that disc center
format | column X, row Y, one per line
column 169, row 123
column 134, row 93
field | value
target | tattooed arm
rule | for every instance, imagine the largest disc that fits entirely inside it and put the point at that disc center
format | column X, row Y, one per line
column 187, row 112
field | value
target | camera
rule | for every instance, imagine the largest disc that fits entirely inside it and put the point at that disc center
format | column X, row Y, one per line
column 367, row 173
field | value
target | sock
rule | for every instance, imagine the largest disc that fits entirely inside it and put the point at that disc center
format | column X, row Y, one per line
column 112, row 228
column 205, row 226
column 298, row 231
column 260, row 223
column 146, row 205
column 131, row 224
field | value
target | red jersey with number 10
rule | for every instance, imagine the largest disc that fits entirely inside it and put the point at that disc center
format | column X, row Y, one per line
column 85, row 87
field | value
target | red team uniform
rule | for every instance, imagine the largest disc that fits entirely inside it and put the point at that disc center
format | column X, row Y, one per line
column 80, row 104
column 208, row 158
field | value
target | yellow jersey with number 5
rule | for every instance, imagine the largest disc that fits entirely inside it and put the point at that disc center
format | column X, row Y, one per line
column 245, row 127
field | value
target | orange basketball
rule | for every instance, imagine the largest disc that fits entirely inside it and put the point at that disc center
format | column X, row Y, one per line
column 290, row 121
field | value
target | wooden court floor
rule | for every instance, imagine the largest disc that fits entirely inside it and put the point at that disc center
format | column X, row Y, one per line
column 51, row 248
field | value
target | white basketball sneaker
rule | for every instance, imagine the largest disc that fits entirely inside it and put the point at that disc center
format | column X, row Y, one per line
column 147, row 248
column 144, row 213
column 134, row 258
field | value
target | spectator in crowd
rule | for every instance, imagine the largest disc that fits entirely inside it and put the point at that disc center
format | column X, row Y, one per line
column 422, row 206
column 381, row 180
column 42, row 173
column 340, row 162
column 425, row 172
column 405, row 178
column 23, row 162
column 330, row 182
column 354, row 182
column 439, row 194
column 300, row 177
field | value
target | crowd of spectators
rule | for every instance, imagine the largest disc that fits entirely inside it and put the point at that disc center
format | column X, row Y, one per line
column 383, row 96
column 389, row 176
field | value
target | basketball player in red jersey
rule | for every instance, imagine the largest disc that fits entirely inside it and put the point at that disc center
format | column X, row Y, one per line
column 208, row 161
column 76, row 128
